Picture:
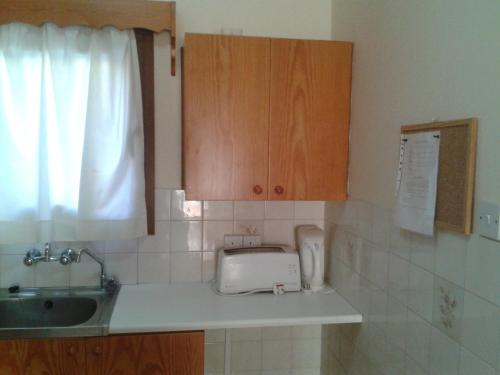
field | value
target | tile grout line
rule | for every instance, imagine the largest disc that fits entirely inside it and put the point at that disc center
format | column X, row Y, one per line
column 227, row 352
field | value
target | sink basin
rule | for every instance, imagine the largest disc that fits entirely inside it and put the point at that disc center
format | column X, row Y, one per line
column 56, row 312
column 46, row 312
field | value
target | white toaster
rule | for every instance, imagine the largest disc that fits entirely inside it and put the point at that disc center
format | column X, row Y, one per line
column 259, row 268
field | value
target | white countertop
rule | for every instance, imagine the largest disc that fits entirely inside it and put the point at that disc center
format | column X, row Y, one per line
column 182, row 307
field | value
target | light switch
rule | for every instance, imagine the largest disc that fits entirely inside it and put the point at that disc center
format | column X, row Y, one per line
column 489, row 220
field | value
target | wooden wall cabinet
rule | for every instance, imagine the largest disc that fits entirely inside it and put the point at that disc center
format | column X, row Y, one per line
column 226, row 114
column 149, row 354
column 265, row 118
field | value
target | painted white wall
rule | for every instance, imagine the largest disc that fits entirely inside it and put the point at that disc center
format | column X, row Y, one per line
column 416, row 60
column 275, row 18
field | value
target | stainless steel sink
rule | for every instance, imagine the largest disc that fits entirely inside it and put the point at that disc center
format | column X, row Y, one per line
column 56, row 312
column 46, row 311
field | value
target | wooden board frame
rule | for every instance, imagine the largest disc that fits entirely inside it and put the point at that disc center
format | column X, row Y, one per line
column 454, row 157
column 156, row 16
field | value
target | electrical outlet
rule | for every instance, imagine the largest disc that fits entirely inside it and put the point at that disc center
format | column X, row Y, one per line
column 232, row 241
column 489, row 220
column 253, row 240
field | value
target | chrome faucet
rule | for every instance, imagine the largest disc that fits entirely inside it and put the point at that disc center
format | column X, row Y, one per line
column 69, row 256
column 102, row 278
column 48, row 257
column 74, row 256
column 34, row 256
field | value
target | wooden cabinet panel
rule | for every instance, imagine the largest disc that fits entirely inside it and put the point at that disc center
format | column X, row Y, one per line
column 138, row 355
column 151, row 354
column 94, row 358
column 188, row 353
column 42, row 357
column 309, row 119
column 225, row 117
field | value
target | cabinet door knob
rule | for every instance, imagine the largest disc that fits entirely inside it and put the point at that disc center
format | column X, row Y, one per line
column 257, row 189
column 279, row 189
column 71, row 351
column 98, row 350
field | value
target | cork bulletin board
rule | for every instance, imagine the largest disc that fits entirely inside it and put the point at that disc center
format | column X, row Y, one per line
column 456, row 174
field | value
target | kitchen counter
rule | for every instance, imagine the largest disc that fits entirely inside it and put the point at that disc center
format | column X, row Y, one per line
column 182, row 307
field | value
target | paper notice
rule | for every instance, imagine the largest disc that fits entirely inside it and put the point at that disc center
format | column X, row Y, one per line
column 416, row 196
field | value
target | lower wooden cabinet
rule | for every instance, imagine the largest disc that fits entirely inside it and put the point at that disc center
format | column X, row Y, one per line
column 47, row 357
column 149, row 354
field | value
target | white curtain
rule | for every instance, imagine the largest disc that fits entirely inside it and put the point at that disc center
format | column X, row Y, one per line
column 71, row 135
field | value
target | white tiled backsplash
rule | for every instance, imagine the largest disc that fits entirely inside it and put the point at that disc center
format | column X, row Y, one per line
column 431, row 305
column 188, row 233
column 265, row 351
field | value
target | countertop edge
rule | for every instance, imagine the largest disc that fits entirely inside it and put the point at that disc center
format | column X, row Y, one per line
column 202, row 326
column 193, row 307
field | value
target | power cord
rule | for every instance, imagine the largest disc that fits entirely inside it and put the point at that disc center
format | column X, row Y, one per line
column 324, row 290
column 278, row 290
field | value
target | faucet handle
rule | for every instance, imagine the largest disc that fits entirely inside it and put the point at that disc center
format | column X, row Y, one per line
column 32, row 257
column 68, row 256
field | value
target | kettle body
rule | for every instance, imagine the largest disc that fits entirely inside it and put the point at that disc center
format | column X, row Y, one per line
column 310, row 242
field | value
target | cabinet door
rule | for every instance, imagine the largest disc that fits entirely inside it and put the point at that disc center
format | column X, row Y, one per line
column 309, row 126
column 45, row 356
column 151, row 354
column 188, row 353
column 225, row 117
column 94, row 355
column 136, row 355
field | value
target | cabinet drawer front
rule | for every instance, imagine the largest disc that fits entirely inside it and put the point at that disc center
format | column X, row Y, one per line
column 42, row 356
column 225, row 117
column 309, row 125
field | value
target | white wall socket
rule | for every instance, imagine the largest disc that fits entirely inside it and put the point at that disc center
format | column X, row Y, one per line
column 251, row 240
column 233, row 240
column 489, row 220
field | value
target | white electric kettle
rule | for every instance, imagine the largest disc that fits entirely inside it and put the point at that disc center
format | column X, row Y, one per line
column 310, row 242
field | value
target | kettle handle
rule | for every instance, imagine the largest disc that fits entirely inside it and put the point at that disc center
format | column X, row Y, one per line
column 316, row 263
column 310, row 265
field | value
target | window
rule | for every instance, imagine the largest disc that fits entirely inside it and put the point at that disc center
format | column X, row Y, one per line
column 71, row 135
